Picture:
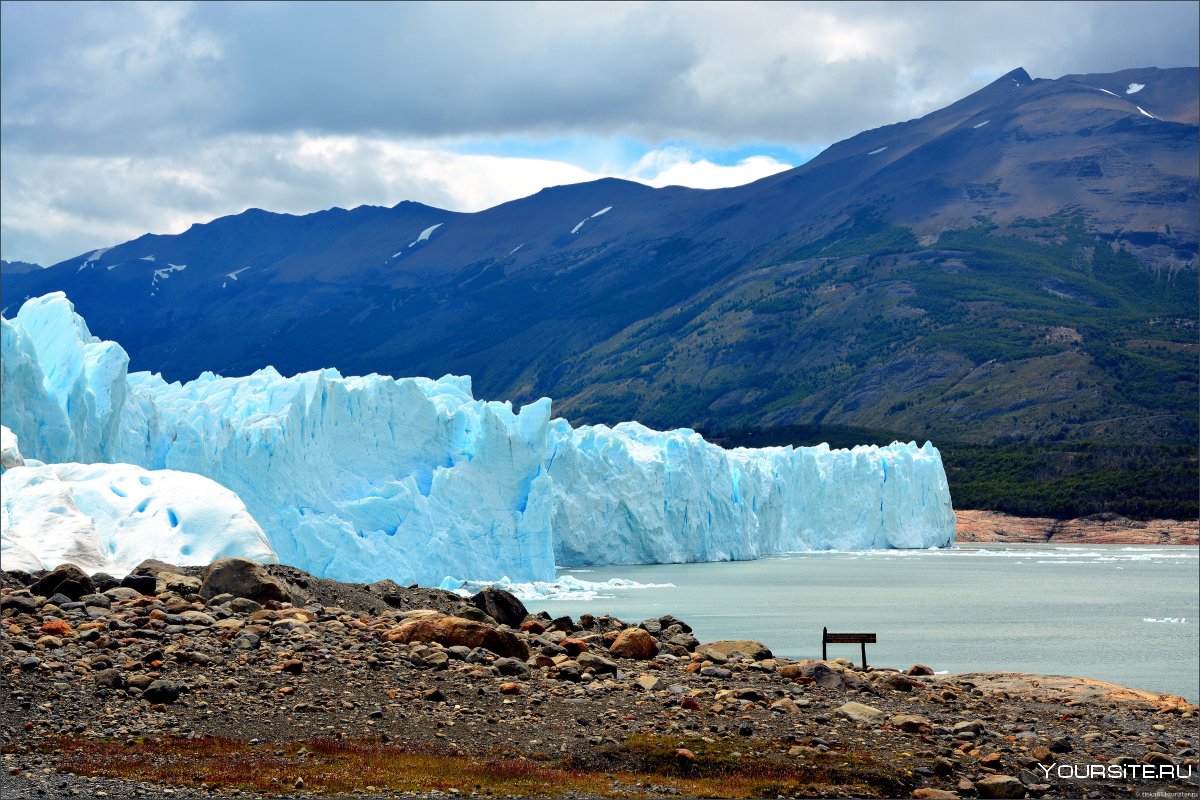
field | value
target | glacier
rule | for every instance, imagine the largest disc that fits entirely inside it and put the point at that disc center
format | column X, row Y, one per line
column 414, row 479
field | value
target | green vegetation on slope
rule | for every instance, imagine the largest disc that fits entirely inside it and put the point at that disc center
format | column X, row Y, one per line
column 1057, row 375
column 1033, row 479
column 1048, row 479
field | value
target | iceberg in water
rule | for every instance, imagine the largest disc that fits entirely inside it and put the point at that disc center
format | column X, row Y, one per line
column 363, row 478
column 565, row 587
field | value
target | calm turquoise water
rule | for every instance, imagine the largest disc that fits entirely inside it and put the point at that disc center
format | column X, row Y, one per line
column 1065, row 610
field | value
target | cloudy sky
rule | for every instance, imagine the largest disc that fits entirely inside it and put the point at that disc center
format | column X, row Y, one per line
column 117, row 120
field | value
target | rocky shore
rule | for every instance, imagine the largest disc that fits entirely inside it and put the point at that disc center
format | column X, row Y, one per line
column 240, row 680
column 992, row 526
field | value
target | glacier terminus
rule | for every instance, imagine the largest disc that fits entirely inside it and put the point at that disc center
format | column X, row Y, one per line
column 413, row 479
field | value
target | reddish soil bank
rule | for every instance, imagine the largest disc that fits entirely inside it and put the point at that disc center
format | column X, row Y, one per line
column 992, row 526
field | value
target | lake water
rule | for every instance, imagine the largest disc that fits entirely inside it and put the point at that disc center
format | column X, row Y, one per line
column 1124, row 614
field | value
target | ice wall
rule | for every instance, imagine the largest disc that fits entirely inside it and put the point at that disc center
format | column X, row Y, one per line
column 362, row 478
column 670, row 496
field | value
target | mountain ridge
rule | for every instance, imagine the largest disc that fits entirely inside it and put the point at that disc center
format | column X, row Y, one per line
column 1018, row 266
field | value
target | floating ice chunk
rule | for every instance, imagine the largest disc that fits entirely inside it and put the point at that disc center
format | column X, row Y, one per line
column 1134, row 88
column 980, row 125
column 234, row 275
column 877, row 152
column 563, row 588
column 146, row 258
column 423, row 237
column 110, row 517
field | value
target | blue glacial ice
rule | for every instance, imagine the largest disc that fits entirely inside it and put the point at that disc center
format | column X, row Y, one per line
column 364, row 478
column 110, row 517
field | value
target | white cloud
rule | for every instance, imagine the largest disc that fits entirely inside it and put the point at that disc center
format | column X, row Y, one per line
column 112, row 75
column 677, row 167
column 67, row 204
column 121, row 118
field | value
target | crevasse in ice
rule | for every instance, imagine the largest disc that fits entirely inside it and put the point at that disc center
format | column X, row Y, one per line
column 363, row 478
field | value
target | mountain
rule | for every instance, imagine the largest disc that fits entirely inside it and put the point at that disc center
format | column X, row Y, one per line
column 18, row 267
column 1020, row 266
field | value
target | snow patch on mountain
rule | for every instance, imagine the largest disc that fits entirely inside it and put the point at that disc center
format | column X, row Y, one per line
column 1134, row 88
column 877, row 152
column 423, row 236
column 583, row 221
column 95, row 256
column 165, row 272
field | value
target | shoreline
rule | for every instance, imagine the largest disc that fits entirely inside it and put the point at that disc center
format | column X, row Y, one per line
column 328, row 688
column 998, row 528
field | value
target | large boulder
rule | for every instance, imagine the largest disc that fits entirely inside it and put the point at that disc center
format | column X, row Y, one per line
column 103, row 581
column 634, row 643
column 65, row 579
column 597, row 663
column 826, row 674
column 176, row 582
column 502, row 606
column 1000, row 786
column 142, row 584
column 747, row 647
column 896, row 682
column 242, row 577
column 152, row 566
column 456, row 631
column 163, row 691
column 858, row 712
column 911, row 723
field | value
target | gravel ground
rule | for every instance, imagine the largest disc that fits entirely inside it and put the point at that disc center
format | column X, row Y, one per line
column 428, row 670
